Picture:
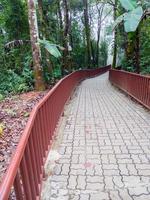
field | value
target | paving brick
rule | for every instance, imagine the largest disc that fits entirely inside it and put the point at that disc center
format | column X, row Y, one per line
column 110, row 166
column 125, row 195
column 104, row 147
column 57, row 169
column 123, row 169
column 138, row 190
column 95, row 179
column 118, row 182
column 81, row 182
column 77, row 166
column 132, row 169
column 98, row 170
column 99, row 196
column 65, row 169
column 95, row 186
column 109, row 185
column 59, row 178
column 72, row 182
column 111, row 172
column 105, row 159
column 77, row 171
column 114, row 195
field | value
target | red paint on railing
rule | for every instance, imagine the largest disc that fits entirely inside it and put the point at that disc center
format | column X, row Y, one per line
column 135, row 85
column 25, row 171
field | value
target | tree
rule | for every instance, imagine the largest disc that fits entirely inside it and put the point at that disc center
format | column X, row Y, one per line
column 87, row 32
column 100, row 14
column 60, row 21
column 66, row 65
column 44, row 35
column 15, row 9
column 115, row 38
column 36, row 53
column 103, row 53
column 132, row 20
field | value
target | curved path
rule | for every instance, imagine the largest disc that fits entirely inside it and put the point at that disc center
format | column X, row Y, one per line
column 104, row 147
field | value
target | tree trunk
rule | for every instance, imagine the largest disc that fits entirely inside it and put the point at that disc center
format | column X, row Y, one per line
column 133, row 50
column 100, row 14
column 93, row 55
column 115, row 38
column 60, row 21
column 36, row 53
column 66, row 56
column 137, row 51
column 87, row 32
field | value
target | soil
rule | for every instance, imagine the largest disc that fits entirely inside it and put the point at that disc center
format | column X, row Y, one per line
column 14, row 114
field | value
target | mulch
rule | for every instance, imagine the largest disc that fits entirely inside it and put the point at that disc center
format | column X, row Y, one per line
column 14, row 114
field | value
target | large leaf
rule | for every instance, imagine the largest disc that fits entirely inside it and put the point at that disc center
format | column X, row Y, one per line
column 118, row 21
column 129, row 5
column 51, row 48
column 132, row 19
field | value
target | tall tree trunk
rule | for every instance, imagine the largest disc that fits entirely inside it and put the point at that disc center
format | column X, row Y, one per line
column 100, row 14
column 36, row 53
column 66, row 56
column 133, row 50
column 70, row 31
column 87, row 32
column 60, row 21
column 115, row 38
column 130, row 48
column 93, row 55
column 137, row 51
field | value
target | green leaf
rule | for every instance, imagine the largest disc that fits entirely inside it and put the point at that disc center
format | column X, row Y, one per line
column 51, row 48
column 118, row 21
column 1, row 97
column 128, row 5
column 132, row 19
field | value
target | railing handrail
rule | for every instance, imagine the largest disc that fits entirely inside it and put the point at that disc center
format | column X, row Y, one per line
column 9, row 177
column 135, row 85
column 132, row 73
column 16, row 158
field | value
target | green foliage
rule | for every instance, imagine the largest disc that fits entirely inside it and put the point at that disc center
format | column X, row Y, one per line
column 127, row 65
column 128, row 5
column 15, row 19
column 57, row 72
column 1, row 97
column 103, row 53
column 15, row 73
column 11, row 82
column 145, row 46
column 78, row 53
column 132, row 17
column 16, row 64
column 51, row 48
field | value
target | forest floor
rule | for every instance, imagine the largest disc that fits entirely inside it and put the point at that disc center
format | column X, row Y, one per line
column 14, row 114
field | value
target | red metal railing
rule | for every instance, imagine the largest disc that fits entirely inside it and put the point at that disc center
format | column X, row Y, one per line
column 135, row 85
column 25, row 171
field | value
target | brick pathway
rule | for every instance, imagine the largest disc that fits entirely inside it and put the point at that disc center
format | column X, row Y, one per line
column 105, row 147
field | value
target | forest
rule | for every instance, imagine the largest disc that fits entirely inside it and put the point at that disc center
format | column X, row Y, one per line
column 47, row 48
column 42, row 41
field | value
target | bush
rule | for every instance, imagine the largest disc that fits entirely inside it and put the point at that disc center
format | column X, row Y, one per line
column 12, row 82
